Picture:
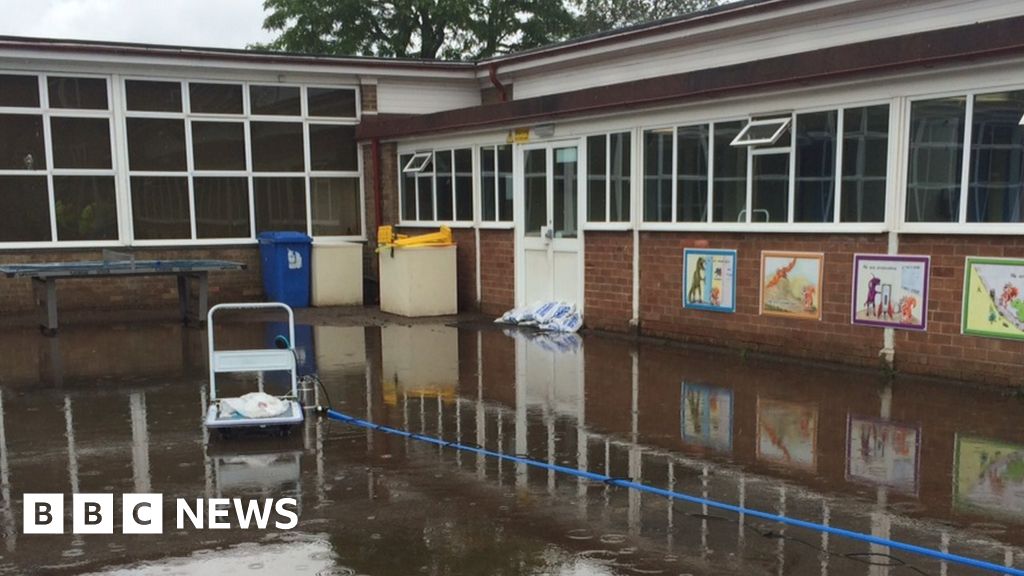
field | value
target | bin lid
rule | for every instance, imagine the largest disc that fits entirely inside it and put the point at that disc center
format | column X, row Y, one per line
column 284, row 237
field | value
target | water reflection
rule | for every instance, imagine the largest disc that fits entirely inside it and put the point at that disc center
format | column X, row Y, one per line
column 909, row 460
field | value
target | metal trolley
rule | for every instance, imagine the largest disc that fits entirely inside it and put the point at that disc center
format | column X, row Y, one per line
column 253, row 361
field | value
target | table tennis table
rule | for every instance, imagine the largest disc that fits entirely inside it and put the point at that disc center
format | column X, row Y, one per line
column 192, row 278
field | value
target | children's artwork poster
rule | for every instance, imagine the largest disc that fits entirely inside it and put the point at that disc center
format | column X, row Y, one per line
column 706, row 417
column 791, row 284
column 709, row 279
column 883, row 453
column 787, row 433
column 993, row 298
column 890, row 291
column 988, row 477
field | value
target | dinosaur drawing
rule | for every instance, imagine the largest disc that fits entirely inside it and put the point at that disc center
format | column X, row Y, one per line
column 869, row 302
column 781, row 274
column 697, row 283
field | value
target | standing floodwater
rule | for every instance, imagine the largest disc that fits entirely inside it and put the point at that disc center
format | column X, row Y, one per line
column 120, row 410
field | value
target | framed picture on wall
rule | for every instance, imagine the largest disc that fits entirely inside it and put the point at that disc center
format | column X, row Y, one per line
column 709, row 279
column 890, row 291
column 993, row 298
column 791, row 284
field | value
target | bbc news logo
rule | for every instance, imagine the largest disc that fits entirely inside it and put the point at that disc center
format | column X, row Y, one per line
column 144, row 513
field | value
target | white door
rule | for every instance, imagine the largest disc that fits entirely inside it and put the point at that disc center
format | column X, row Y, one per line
column 549, row 260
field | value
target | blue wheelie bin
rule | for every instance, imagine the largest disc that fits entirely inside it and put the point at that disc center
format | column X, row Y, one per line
column 284, row 262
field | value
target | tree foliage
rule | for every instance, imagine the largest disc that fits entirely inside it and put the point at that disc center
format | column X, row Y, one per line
column 603, row 15
column 450, row 29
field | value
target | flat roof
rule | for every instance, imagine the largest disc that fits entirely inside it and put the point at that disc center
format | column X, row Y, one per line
column 701, row 17
column 228, row 54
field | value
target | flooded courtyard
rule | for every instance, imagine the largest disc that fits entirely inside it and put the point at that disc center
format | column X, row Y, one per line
column 119, row 409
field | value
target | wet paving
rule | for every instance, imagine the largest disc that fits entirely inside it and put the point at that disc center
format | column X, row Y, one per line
column 119, row 409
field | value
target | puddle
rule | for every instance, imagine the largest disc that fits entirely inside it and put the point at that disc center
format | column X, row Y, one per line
column 120, row 410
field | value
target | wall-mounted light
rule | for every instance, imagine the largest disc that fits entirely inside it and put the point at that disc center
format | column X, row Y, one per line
column 544, row 130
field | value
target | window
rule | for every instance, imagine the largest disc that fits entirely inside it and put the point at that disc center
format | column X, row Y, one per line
column 864, row 164
column 416, row 163
column 815, row 167
column 692, row 154
column 996, row 179
column 982, row 130
column 225, row 161
column 56, row 160
column 764, row 132
column 608, row 177
column 815, row 180
column 437, row 186
column 934, row 177
column 729, row 185
column 496, row 183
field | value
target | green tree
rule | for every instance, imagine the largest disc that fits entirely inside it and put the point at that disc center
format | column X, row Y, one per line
column 426, row 29
column 602, row 15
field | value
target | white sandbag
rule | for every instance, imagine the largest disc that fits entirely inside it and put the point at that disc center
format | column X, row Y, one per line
column 254, row 405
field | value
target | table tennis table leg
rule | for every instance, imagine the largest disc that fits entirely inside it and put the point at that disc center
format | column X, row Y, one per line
column 45, row 290
column 183, row 297
column 201, row 289
column 202, row 297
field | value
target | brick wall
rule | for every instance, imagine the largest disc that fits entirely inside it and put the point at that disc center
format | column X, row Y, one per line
column 943, row 350
column 608, row 280
column 368, row 97
column 497, row 271
column 833, row 338
column 134, row 291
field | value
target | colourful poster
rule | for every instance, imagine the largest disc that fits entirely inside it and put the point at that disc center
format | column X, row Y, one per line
column 706, row 417
column 709, row 279
column 787, row 433
column 890, row 291
column 882, row 453
column 791, row 284
column 988, row 477
column 993, row 301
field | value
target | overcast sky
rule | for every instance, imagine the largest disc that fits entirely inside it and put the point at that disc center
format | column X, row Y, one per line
column 214, row 23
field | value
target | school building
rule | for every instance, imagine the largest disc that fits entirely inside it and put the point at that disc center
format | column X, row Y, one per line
column 579, row 171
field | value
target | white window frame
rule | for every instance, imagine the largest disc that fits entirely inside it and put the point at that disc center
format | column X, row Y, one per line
column 46, row 112
column 710, row 225
column 246, row 118
column 418, row 162
column 742, row 139
column 415, row 168
column 584, row 151
column 961, row 226
column 496, row 223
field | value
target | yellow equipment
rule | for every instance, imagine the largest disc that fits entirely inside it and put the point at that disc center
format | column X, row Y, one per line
column 387, row 238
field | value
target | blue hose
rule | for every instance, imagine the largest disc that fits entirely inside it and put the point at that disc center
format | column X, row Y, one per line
column 625, row 483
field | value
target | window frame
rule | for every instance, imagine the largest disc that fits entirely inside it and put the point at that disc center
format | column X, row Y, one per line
column 246, row 118
column 634, row 147
column 46, row 113
column 496, row 223
column 783, row 122
column 417, row 172
column 834, row 226
column 961, row 226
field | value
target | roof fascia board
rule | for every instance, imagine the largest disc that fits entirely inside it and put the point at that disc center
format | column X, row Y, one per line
column 987, row 40
column 27, row 52
column 649, row 37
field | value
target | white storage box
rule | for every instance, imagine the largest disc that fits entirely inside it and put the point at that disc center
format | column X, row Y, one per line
column 418, row 281
column 337, row 273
